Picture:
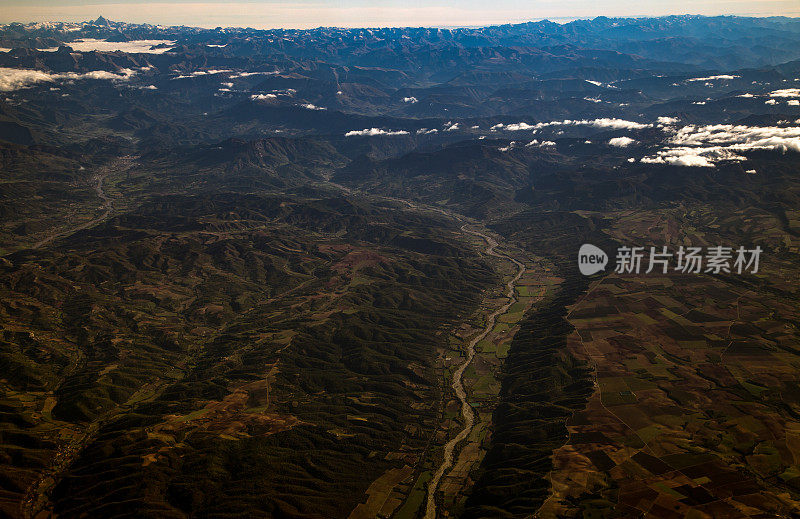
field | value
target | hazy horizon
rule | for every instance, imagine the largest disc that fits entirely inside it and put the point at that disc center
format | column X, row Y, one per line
column 358, row 13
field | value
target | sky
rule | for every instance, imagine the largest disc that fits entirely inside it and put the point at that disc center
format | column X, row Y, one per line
column 376, row 13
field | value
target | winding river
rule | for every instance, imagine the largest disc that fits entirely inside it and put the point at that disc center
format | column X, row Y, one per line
column 466, row 410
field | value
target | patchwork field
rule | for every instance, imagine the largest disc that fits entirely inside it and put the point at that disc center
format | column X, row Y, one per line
column 695, row 408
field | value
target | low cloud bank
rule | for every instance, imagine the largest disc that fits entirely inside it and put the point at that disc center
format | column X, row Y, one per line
column 197, row 73
column 532, row 144
column 666, row 121
column 695, row 157
column 513, row 127
column 248, row 74
column 786, row 92
column 605, row 122
column 714, row 78
column 621, row 142
column 132, row 47
column 704, row 146
column 372, row 132
column 289, row 92
column 14, row 79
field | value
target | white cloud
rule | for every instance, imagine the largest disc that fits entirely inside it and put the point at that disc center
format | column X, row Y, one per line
column 667, row 120
column 248, row 74
column 592, row 99
column 793, row 102
column 14, row 78
column 606, row 122
column 513, row 127
column 452, row 127
column 49, row 49
column 372, row 132
column 680, row 157
column 125, row 73
column 411, row 100
column 786, row 92
column 533, row 143
column 309, row 106
column 542, row 144
column 699, row 103
column 770, row 102
column 135, row 46
column 621, row 142
column 596, row 83
column 425, row 131
column 751, row 137
column 745, row 95
column 197, row 73
column 704, row 145
column 713, row 78
column 617, row 124
column 289, row 92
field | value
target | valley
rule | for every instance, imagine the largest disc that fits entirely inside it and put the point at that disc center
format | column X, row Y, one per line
column 467, row 412
column 332, row 272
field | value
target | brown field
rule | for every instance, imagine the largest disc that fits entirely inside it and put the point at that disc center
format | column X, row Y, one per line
column 695, row 410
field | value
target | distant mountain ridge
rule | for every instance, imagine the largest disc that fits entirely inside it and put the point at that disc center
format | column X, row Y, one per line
column 719, row 41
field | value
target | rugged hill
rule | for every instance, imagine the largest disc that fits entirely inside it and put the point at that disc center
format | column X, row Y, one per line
column 283, row 273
